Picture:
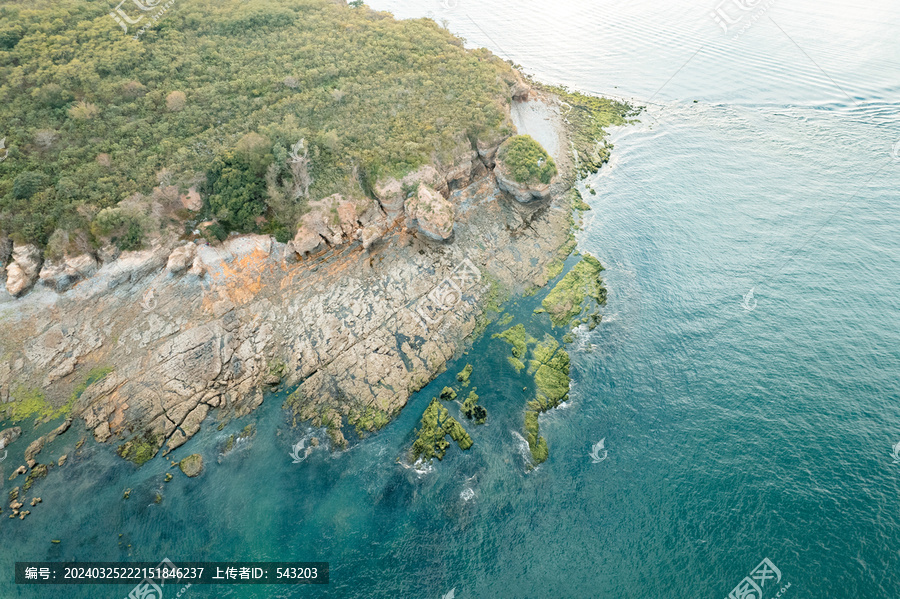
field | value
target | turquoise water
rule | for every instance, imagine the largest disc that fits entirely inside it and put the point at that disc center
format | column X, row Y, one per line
column 733, row 435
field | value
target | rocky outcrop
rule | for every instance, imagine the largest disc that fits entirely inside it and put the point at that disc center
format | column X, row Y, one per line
column 523, row 193
column 192, row 200
column 61, row 275
column 182, row 258
column 392, row 194
column 356, row 331
column 133, row 266
column 192, row 465
column 9, row 436
column 22, row 273
column 431, row 213
column 336, row 220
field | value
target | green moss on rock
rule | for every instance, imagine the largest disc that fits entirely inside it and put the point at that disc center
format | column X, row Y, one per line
column 448, row 394
column 39, row 471
column 566, row 300
column 518, row 337
column 192, row 465
column 141, row 449
column 472, row 410
column 463, row 375
column 436, row 425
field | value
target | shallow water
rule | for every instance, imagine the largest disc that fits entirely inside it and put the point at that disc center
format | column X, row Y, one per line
column 733, row 434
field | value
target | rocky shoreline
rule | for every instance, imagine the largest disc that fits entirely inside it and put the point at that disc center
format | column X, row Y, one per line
column 357, row 322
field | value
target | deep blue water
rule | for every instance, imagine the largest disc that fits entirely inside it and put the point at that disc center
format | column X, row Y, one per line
column 733, row 435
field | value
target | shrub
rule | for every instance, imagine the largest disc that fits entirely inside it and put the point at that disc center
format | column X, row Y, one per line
column 83, row 111
column 526, row 160
column 27, row 184
column 175, row 101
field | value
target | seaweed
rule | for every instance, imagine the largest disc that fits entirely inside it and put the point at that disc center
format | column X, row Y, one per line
column 436, row 425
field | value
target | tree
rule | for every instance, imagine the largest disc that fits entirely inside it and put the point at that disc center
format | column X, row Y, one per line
column 175, row 101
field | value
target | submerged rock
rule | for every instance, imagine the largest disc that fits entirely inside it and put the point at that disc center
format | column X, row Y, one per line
column 192, row 465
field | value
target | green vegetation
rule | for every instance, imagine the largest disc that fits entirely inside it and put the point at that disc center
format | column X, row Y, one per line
column 93, row 376
column 492, row 301
column 589, row 117
column 565, row 301
column 30, row 402
column 25, row 402
column 471, row 409
column 370, row 419
column 39, row 471
column 463, row 375
column 526, row 160
column 515, row 363
column 518, row 337
column 219, row 94
column 536, row 443
column 448, row 394
column 437, row 424
column 578, row 202
column 140, row 449
column 550, row 367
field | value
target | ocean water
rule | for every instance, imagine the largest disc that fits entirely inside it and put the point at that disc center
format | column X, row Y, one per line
column 739, row 428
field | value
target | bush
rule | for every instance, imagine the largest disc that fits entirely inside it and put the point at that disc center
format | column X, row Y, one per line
column 236, row 186
column 175, row 101
column 27, row 184
column 527, row 161
column 84, row 111
column 122, row 228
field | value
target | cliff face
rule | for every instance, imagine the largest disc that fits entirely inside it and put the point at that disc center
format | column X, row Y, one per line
column 359, row 322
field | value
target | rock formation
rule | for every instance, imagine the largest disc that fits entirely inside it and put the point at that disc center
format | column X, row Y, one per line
column 22, row 273
column 431, row 213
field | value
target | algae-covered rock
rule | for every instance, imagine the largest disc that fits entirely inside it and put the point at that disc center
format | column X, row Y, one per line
column 472, row 410
column 192, row 465
column 448, row 394
column 436, row 425
column 463, row 375
column 566, row 300
column 518, row 337
column 141, row 449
